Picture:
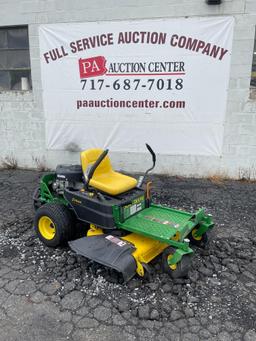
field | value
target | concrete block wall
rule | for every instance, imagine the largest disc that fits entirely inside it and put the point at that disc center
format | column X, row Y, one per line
column 22, row 128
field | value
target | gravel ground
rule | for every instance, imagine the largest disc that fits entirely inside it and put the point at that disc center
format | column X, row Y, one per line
column 53, row 294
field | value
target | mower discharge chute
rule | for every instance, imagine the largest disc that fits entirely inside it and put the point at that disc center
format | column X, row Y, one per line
column 126, row 230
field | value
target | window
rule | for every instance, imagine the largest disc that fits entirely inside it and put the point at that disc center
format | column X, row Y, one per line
column 253, row 75
column 15, row 73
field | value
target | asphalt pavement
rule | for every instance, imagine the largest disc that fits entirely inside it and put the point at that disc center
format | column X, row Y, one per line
column 53, row 294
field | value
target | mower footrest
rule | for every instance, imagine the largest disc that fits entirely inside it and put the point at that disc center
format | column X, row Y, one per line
column 109, row 251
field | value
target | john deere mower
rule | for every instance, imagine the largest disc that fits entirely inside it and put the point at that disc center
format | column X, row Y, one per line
column 123, row 229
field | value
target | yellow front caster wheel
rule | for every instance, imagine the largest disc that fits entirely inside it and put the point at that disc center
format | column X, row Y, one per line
column 178, row 270
column 198, row 240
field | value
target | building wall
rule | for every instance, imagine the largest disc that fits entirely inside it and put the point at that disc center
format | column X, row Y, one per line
column 22, row 130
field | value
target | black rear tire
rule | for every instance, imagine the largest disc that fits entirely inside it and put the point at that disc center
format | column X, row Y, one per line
column 182, row 267
column 62, row 223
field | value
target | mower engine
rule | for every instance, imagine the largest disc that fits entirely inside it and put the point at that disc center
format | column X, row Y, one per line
column 67, row 176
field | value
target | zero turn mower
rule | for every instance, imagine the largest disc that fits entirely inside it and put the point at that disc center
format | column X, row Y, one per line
column 126, row 230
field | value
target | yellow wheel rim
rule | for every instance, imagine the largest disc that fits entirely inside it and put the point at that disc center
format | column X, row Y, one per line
column 171, row 266
column 194, row 236
column 46, row 227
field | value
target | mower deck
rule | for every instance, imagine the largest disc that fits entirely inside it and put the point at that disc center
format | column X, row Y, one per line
column 160, row 223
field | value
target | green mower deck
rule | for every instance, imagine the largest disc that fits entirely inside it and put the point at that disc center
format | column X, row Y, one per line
column 163, row 223
column 158, row 222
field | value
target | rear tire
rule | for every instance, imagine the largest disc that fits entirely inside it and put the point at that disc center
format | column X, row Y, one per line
column 180, row 269
column 54, row 224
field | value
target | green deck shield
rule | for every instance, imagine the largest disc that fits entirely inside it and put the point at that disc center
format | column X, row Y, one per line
column 162, row 223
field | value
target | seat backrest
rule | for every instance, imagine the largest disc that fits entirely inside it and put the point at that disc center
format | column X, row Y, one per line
column 89, row 156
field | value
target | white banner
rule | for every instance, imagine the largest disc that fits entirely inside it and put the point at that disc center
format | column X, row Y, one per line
column 121, row 84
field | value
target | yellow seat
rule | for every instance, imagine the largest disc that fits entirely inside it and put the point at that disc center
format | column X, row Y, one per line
column 105, row 178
